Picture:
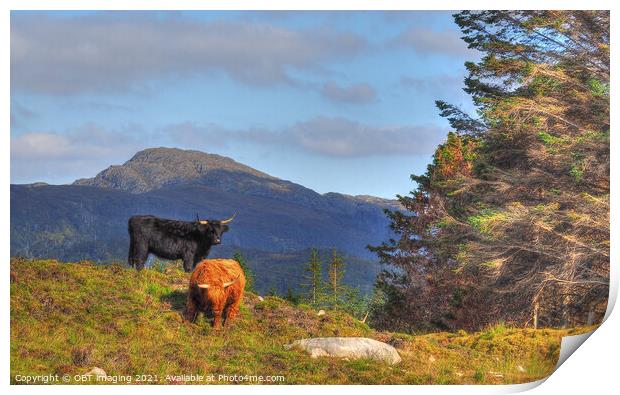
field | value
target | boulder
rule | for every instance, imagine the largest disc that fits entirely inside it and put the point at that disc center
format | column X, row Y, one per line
column 348, row 347
column 97, row 372
column 321, row 313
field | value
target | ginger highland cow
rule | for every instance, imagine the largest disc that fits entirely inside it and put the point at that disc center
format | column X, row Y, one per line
column 216, row 285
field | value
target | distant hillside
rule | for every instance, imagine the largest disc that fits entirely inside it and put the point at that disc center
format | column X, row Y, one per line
column 68, row 318
column 277, row 220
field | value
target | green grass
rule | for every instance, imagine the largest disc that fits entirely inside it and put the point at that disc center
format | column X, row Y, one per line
column 69, row 317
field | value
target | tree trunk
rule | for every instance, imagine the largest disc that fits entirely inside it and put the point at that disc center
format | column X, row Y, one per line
column 590, row 317
column 565, row 307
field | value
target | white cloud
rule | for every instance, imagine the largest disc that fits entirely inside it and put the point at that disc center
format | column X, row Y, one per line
column 428, row 41
column 357, row 93
column 87, row 141
column 440, row 83
column 116, row 51
column 40, row 146
column 83, row 151
column 342, row 137
column 20, row 115
column 328, row 136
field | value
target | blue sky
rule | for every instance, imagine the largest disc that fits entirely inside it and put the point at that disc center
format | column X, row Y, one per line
column 335, row 101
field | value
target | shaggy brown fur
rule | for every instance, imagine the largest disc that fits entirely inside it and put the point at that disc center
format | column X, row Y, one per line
column 215, row 285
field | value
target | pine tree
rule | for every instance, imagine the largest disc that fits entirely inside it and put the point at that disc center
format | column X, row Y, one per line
column 335, row 275
column 249, row 275
column 292, row 296
column 511, row 220
column 313, row 278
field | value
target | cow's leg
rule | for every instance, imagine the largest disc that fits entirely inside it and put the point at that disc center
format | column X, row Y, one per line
column 218, row 309
column 233, row 309
column 141, row 253
column 132, row 251
column 188, row 262
column 195, row 260
column 191, row 310
column 217, row 320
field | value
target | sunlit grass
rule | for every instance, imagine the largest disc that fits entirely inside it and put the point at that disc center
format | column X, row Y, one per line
column 67, row 318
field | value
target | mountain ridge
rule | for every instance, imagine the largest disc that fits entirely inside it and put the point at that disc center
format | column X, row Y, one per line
column 155, row 168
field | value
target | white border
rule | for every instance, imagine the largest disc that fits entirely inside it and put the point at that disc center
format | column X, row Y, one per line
column 593, row 368
column 300, row 5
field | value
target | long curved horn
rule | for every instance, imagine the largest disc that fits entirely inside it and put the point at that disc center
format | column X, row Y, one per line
column 228, row 284
column 224, row 222
column 205, row 286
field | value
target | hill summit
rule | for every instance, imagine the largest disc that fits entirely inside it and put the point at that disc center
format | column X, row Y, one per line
column 154, row 168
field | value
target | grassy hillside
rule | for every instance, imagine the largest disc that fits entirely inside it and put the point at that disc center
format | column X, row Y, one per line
column 68, row 318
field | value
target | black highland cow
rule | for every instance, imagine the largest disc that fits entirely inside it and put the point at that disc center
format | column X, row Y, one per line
column 169, row 239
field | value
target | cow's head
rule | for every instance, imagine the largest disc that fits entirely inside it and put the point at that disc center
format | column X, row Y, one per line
column 217, row 296
column 212, row 230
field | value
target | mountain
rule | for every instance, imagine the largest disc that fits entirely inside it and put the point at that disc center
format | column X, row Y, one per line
column 155, row 168
column 277, row 221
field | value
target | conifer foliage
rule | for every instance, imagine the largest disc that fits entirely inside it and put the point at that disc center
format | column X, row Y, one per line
column 511, row 220
column 313, row 278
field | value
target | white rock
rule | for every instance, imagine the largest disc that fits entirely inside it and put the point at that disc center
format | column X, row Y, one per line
column 261, row 298
column 97, row 372
column 520, row 369
column 321, row 313
column 348, row 347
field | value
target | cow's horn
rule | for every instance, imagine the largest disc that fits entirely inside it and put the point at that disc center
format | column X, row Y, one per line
column 205, row 286
column 228, row 284
column 228, row 220
column 199, row 221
